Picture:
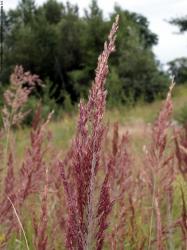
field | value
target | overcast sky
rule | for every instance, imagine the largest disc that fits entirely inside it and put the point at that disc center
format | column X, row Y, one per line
column 171, row 45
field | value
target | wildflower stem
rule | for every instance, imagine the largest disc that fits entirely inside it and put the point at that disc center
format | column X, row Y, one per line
column 21, row 226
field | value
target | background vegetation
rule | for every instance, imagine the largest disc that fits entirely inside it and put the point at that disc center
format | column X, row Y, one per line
column 59, row 45
column 120, row 189
column 56, row 43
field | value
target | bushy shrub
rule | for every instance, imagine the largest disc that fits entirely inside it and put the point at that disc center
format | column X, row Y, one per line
column 32, row 105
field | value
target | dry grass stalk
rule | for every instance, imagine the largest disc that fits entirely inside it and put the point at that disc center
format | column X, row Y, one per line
column 158, row 173
column 40, row 227
column 30, row 177
column 87, row 217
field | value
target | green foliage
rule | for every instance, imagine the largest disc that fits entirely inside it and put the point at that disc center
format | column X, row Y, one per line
column 137, row 67
column 116, row 96
column 68, row 107
column 52, row 11
column 32, row 104
column 178, row 69
column 181, row 115
column 53, row 41
column 180, row 22
column 47, row 103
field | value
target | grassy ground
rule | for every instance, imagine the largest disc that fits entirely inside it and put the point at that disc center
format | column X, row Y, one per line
column 136, row 120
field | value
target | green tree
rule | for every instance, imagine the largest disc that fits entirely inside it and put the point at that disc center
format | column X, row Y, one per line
column 178, row 68
column 181, row 23
column 93, row 37
column 53, row 11
column 53, row 41
column 69, row 51
column 138, row 69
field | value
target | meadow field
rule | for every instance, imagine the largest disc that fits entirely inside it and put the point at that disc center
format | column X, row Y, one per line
column 96, row 179
column 134, row 119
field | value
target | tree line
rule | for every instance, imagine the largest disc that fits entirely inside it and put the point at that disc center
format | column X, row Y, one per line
column 54, row 41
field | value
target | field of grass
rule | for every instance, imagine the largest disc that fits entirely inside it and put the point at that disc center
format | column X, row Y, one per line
column 97, row 180
column 135, row 120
